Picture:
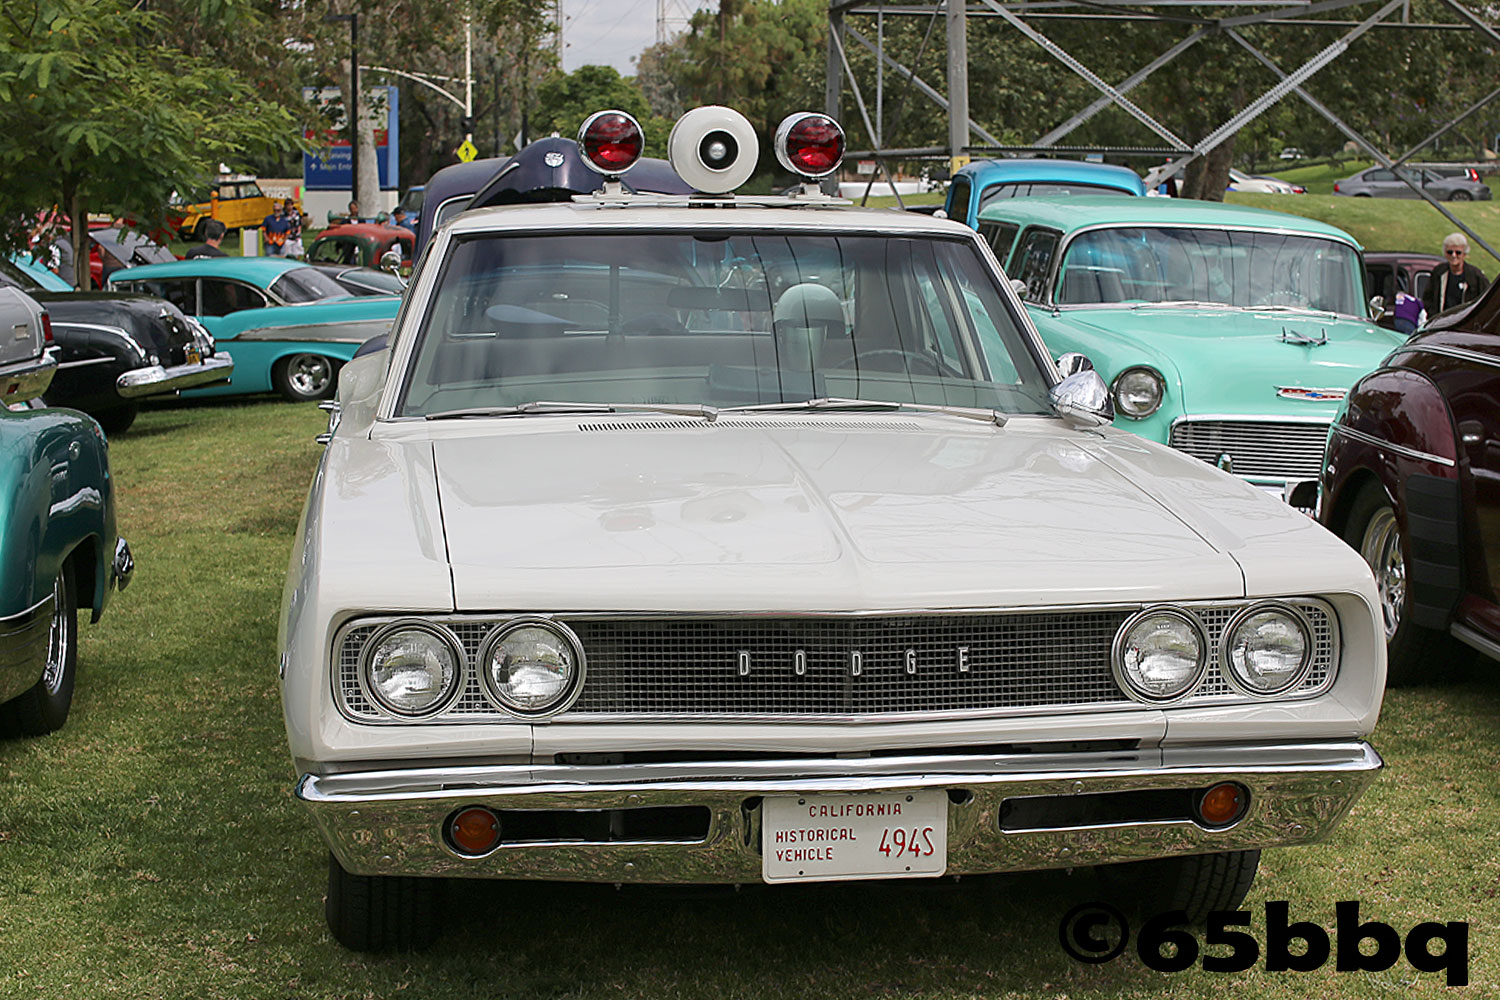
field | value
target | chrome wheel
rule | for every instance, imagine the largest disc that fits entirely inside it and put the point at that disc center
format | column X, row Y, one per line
column 309, row 374
column 1381, row 549
column 59, row 641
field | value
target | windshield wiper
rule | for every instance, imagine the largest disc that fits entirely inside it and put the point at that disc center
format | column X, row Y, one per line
column 836, row 403
column 545, row 407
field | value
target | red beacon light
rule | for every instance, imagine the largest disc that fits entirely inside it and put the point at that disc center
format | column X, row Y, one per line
column 612, row 142
column 810, row 144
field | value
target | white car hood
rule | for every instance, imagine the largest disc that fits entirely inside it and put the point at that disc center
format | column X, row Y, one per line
column 826, row 512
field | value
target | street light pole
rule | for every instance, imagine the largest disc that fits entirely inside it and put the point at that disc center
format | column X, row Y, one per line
column 351, row 107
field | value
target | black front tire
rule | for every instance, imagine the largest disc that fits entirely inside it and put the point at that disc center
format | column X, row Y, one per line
column 304, row 378
column 43, row 708
column 380, row 913
column 1460, row 196
column 1197, row 884
column 1414, row 655
column 117, row 419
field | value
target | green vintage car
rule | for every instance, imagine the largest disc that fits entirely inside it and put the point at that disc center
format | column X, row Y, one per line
column 1227, row 332
column 59, row 554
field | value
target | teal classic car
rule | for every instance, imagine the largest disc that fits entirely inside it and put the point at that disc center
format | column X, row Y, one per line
column 1227, row 332
column 290, row 325
column 58, row 548
column 983, row 182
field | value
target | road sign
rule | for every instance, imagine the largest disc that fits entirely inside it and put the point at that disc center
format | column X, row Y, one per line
column 466, row 151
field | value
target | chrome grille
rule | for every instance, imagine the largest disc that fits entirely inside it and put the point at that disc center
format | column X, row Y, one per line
column 1278, row 450
column 690, row 666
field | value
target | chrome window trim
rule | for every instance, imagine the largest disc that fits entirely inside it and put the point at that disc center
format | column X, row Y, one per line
column 1373, row 441
column 428, row 275
column 1117, row 658
column 1463, row 354
column 1234, row 679
column 444, row 618
column 1258, row 418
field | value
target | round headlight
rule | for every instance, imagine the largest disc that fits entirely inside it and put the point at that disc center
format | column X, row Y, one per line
column 533, row 667
column 412, row 668
column 1160, row 655
column 1138, row 392
column 1268, row 649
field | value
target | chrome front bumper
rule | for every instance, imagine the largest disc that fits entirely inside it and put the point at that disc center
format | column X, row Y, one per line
column 154, row 379
column 390, row 822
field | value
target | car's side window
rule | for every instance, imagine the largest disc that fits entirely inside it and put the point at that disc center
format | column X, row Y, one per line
column 1380, row 175
column 1423, row 277
column 1000, row 236
column 182, row 293
column 1381, row 280
column 220, row 298
column 1033, row 262
column 958, row 199
column 328, row 252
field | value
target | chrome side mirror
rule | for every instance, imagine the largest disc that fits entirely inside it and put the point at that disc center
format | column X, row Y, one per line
column 1082, row 398
column 391, row 261
column 1019, row 287
column 1072, row 363
column 1377, row 306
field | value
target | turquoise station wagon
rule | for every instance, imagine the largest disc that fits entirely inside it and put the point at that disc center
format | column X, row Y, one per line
column 1227, row 332
column 290, row 325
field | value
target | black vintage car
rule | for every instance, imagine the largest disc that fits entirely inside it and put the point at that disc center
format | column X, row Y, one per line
column 116, row 348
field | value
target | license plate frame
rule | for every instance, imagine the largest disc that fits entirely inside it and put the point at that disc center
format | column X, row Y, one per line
column 832, row 837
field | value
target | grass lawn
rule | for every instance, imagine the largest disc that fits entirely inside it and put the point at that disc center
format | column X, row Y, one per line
column 152, row 847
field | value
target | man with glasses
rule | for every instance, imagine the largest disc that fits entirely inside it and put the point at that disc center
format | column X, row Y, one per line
column 1456, row 281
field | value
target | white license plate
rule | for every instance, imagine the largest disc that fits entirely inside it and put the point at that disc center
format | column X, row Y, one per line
column 820, row 838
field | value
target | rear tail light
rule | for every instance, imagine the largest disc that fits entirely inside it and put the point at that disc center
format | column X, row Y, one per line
column 1335, row 187
column 612, row 141
column 810, row 144
column 46, row 329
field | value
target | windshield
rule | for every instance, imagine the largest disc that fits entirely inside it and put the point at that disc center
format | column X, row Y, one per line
column 1223, row 267
column 306, row 284
column 1044, row 189
column 723, row 320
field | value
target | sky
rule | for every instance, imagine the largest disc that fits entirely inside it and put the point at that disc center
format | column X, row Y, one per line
column 613, row 32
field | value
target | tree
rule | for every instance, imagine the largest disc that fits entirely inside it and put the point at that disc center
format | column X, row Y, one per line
column 101, row 114
column 565, row 100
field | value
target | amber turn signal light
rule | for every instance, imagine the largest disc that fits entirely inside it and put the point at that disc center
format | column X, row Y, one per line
column 474, row 831
column 1223, row 804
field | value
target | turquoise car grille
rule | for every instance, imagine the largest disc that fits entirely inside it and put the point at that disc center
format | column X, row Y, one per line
column 691, row 667
column 1256, row 448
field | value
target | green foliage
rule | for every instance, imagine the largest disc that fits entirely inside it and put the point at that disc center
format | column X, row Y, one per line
column 104, row 114
column 565, row 100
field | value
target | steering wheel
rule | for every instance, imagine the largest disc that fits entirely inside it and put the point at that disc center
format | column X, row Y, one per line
column 914, row 363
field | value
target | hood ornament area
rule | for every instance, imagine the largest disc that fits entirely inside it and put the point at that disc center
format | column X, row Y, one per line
column 1294, row 337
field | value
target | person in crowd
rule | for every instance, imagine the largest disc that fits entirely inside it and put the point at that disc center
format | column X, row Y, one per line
column 213, row 235
column 276, row 226
column 400, row 218
column 293, row 214
column 1455, row 281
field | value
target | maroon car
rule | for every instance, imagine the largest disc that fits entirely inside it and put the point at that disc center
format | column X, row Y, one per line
column 1390, row 271
column 1411, row 479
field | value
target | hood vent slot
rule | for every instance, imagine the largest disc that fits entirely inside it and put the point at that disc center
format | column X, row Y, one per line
column 770, row 423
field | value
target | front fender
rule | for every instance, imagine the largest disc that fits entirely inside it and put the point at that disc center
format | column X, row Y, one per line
column 57, row 496
column 1396, row 430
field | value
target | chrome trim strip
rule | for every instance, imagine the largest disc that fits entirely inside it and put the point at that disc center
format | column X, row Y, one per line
column 323, row 333
column 23, row 618
column 155, row 379
column 389, row 822
column 1255, row 418
column 85, row 363
column 1452, row 352
column 1474, row 639
column 1370, row 439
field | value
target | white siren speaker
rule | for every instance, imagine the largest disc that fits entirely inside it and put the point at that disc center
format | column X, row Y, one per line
column 714, row 149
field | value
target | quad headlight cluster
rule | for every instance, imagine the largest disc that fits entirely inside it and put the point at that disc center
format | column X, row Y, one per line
column 528, row 667
column 1161, row 654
